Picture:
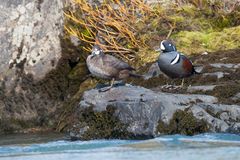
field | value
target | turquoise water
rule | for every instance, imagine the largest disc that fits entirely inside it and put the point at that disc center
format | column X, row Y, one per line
column 175, row 147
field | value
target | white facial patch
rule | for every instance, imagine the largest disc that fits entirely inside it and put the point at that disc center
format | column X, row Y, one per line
column 162, row 46
column 175, row 59
column 97, row 52
column 170, row 45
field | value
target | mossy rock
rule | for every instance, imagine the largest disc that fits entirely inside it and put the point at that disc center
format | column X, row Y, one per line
column 79, row 72
column 99, row 125
column 183, row 122
column 224, row 93
column 12, row 125
column 65, row 114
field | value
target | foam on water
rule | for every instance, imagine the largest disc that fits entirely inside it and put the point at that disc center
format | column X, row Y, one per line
column 205, row 146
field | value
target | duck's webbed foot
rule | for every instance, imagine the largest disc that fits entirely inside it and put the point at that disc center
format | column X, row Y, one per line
column 105, row 89
column 99, row 86
column 119, row 83
column 169, row 87
column 173, row 86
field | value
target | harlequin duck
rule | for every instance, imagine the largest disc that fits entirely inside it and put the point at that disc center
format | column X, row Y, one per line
column 173, row 63
column 106, row 66
column 167, row 46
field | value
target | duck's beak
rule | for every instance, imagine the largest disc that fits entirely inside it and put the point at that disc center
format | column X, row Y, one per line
column 158, row 50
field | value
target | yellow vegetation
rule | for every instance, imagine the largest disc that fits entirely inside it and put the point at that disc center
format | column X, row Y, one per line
column 132, row 29
column 112, row 24
column 197, row 42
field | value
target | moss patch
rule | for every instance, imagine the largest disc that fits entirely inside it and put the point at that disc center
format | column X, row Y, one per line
column 224, row 93
column 65, row 114
column 229, row 56
column 191, row 42
column 183, row 122
column 99, row 125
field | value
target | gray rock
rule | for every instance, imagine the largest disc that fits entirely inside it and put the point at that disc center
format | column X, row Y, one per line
column 219, row 75
column 235, row 128
column 199, row 69
column 201, row 88
column 221, row 65
column 29, row 40
column 136, row 94
column 221, row 117
column 228, row 113
column 216, row 125
column 141, row 109
column 153, row 71
column 29, row 49
column 236, row 97
column 225, row 65
column 75, row 40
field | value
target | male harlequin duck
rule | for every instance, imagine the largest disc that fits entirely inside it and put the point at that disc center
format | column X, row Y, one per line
column 172, row 63
column 106, row 66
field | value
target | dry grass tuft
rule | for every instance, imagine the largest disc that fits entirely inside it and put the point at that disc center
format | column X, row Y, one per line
column 113, row 24
column 131, row 29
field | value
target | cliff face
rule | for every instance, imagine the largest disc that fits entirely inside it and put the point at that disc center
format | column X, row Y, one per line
column 30, row 47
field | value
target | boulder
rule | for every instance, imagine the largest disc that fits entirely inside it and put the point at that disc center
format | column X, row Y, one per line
column 30, row 42
column 136, row 112
column 30, row 48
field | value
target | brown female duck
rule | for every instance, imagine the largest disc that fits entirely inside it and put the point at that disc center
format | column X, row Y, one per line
column 106, row 66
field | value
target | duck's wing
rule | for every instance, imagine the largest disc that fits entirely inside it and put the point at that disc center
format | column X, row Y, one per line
column 187, row 64
column 111, row 61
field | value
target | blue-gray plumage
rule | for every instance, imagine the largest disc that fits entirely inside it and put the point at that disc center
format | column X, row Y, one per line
column 106, row 66
column 173, row 63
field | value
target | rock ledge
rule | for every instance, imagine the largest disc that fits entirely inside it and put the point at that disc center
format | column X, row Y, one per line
column 137, row 112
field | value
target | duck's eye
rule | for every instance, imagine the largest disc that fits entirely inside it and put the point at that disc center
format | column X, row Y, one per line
column 170, row 45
